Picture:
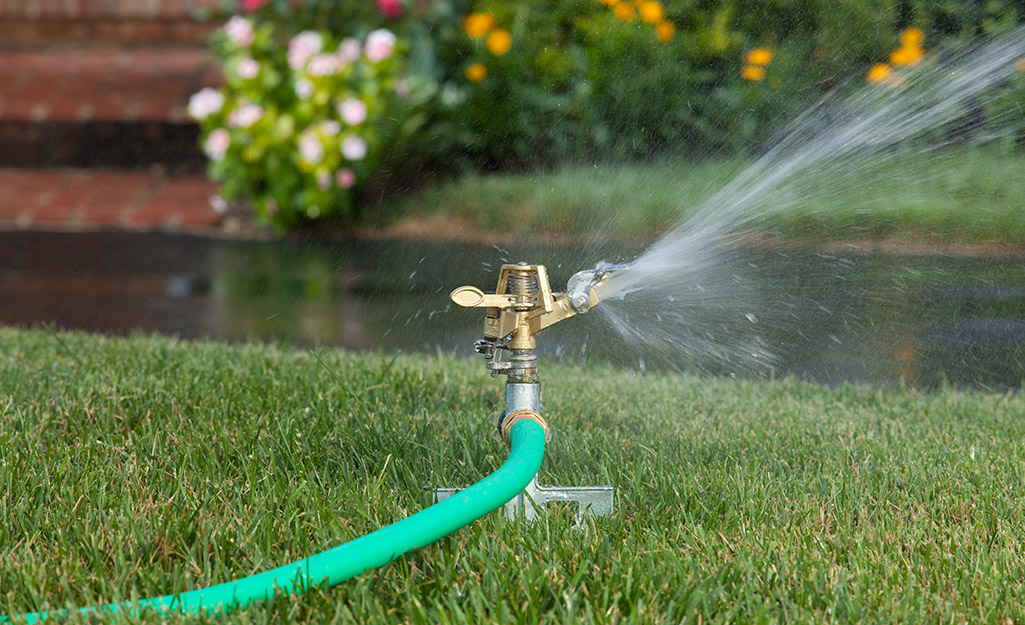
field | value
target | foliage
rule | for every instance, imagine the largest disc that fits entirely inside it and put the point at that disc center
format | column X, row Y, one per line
column 305, row 115
column 511, row 85
column 956, row 198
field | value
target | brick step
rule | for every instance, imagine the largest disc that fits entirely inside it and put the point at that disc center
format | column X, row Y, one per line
column 22, row 33
column 68, row 199
column 101, row 107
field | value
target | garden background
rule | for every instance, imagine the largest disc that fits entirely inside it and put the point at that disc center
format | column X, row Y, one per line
column 328, row 107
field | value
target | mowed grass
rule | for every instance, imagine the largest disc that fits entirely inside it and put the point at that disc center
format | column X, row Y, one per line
column 141, row 466
column 945, row 197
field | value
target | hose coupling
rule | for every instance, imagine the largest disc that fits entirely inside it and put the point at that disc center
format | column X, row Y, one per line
column 507, row 421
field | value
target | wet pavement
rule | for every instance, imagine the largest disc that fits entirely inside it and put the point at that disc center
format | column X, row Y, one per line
column 877, row 319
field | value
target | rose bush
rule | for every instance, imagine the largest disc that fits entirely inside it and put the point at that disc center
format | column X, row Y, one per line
column 304, row 118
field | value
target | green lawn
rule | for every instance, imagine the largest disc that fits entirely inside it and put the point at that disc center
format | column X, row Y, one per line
column 136, row 467
column 944, row 197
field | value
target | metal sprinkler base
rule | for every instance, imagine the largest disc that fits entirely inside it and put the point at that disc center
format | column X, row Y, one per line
column 522, row 306
column 592, row 501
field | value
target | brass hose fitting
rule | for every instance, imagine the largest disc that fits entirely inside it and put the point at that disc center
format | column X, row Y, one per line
column 507, row 422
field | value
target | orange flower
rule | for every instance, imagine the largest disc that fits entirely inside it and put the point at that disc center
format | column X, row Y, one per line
column 905, row 55
column 609, row 3
column 758, row 56
column 476, row 72
column 478, row 24
column 879, row 73
column 651, row 12
column 912, row 37
column 624, row 12
column 1020, row 64
column 665, row 31
column 499, row 41
column 752, row 72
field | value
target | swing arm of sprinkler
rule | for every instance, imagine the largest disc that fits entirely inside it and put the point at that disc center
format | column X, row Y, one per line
column 522, row 306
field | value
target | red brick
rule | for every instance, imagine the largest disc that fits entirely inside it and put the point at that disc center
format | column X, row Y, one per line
column 210, row 5
column 185, row 201
column 63, row 109
column 54, row 9
column 149, row 32
column 23, row 110
column 92, row 9
column 152, row 84
column 138, row 8
column 172, row 9
column 191, row 32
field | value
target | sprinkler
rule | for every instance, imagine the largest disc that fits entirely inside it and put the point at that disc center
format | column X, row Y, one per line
column 522, row 306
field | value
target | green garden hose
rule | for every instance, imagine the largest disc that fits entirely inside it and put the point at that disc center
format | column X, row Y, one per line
column 336, row 565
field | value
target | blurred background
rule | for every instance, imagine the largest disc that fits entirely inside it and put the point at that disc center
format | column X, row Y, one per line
column 324, row 172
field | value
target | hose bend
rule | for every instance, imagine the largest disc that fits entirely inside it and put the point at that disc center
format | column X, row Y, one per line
column 341, row 563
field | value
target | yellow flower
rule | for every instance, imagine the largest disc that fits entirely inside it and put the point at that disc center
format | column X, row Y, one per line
column 478, row 24
column 752, row 72
column 499, row 41
column 624, row 12
column 665, row 31
column 906, row 55
column 879, row 73
column 476, row 72
column 758, row 56
column 912, row 37
column 651, row 12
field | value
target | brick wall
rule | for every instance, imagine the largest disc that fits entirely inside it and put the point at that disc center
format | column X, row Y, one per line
column 105, row 9
column 33, row 23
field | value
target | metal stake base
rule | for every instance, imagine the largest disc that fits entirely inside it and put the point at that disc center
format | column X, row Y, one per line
column 592, row 501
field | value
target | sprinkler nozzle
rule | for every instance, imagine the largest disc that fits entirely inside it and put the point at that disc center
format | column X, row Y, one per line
column 522, row 306
column 583, row 284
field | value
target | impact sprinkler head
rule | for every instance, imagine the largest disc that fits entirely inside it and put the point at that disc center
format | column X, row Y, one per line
column 522, row 306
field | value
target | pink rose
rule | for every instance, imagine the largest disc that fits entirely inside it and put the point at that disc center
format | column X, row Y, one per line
column 324, row 65
column 311, row 149
column 302, row 47
column 247, row 68
column 217, row 143
column 354, row 148
column 240, row 31
column 379, row 46
column 353, row 111
column 205, row 103
column 304, row 89
column 346, row 178
column 219, row 204
column 245, row 115
column 389, row 8
column 330, row 127
column 349, row 49
column 251, row 5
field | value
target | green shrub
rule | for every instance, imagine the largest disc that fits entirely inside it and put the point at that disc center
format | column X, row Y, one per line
column 530, row 83
column 305, row 116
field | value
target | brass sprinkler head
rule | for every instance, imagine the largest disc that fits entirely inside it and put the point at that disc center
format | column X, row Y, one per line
column 522, row 306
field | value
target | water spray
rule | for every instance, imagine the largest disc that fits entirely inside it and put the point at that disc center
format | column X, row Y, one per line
column 522, row 306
